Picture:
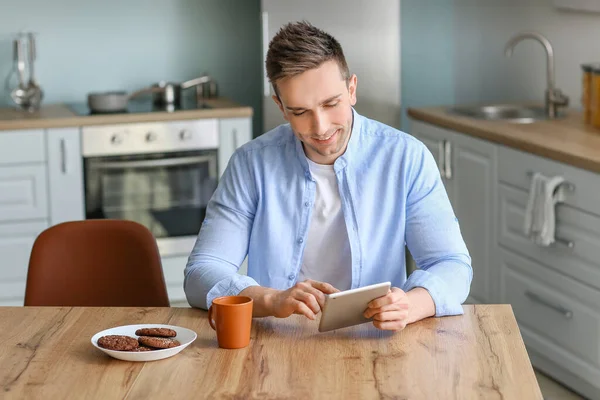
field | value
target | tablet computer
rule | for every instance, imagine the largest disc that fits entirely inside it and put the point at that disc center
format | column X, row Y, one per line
column 343, row 309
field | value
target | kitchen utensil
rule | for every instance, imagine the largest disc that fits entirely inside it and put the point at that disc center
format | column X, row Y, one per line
column 35, row 92
column 19, row 94
column 171, row 92
column 114, row 101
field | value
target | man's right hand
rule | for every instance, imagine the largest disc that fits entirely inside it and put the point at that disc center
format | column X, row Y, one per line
column 306, row 298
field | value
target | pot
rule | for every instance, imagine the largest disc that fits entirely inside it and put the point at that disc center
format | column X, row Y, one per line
column 169, row 93
column 115, row 101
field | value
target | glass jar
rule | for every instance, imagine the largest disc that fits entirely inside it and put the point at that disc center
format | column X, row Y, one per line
column 594, row 96
column 586, row 87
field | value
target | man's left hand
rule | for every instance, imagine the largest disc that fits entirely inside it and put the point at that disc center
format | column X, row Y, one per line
column 390, row 312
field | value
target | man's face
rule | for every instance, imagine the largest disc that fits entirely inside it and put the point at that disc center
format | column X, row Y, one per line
column 318, row 105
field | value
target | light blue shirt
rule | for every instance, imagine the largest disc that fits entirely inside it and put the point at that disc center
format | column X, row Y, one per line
column 391, row 195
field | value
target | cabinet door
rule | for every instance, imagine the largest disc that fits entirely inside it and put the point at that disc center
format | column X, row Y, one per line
column 16, row 241
column 65, row 175
column 435, row 140
column 23, row 192
column 473, row 182
column 233, row 132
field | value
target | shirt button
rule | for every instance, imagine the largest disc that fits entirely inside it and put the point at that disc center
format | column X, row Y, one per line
column 300, row 240
column 307, row 204
column 291, row 277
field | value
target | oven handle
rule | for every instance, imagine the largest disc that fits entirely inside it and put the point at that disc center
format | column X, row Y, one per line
column 166, row 162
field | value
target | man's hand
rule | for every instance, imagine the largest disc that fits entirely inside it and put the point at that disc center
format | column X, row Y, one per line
column 397, row 309
column 305, row 298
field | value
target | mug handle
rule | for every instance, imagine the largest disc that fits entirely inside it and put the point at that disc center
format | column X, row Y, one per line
column 210, row 320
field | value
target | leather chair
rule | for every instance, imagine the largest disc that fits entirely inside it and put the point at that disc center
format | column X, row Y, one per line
column 109, row 263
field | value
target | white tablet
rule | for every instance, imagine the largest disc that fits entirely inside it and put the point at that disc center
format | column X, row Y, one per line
column 346, row 308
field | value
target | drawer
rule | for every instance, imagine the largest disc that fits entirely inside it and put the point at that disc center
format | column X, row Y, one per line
column 17, row 147
column 558, row 316
column 16, row 241
column 582, row 262
column 23, row 192
column 514, row 168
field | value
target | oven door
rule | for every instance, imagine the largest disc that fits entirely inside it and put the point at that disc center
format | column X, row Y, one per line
column 166, row 192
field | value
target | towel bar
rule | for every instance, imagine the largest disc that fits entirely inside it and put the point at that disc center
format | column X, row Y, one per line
column 567, row 185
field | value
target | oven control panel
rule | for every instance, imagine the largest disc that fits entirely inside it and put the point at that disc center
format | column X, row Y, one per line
column 150, row 137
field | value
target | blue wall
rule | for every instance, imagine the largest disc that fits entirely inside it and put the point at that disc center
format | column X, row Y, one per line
column 127, row 45
column 427, row 54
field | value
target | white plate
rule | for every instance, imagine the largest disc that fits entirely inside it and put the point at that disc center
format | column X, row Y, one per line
column 184, row 336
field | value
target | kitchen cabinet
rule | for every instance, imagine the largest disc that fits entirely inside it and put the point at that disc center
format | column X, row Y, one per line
column 65, row 180
column 233, row 132
column 554, row 290
column 41, row 184
column 468, row 169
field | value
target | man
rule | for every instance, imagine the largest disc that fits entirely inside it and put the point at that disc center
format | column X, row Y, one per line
column 328, row 202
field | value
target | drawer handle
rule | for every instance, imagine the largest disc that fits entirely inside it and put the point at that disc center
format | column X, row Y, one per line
column 63, row 156
column 567, row 185
column 560, row 309
column 564, row 242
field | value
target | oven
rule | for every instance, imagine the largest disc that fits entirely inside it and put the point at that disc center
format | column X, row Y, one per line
column 161, row 175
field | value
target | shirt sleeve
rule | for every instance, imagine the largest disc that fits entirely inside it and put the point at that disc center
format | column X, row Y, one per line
column 434, row 239
column 222, row 243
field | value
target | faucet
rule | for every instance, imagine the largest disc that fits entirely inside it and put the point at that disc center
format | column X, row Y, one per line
column 554, row 97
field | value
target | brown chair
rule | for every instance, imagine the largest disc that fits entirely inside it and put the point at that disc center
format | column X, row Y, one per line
column 110, row 263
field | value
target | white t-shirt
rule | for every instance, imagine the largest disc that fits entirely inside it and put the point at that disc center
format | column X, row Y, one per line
column 327, row 256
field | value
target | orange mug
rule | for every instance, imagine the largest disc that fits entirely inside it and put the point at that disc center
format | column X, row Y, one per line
column 231, row 317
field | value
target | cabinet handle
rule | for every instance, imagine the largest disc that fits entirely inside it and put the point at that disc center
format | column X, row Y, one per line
column 448, row 159
column 441, row 146
column 235, row 139
column 559, row 309
column 564, row 242
column 63, row 156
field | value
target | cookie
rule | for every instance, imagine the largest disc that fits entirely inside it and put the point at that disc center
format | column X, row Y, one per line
column 142, row 348
column 118, row 342
column 158, row 343
column 160, row 332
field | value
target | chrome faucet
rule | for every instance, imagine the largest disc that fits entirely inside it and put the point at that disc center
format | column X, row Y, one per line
column 554, row 97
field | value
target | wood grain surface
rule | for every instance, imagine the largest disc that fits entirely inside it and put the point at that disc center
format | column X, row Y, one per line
column 59, row 116
column 45, row 352
column 567, row 140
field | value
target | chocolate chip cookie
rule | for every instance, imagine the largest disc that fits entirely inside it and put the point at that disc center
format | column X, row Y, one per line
column 142, row 348
column 159, row 332
column 118, row 342
column 157, row 342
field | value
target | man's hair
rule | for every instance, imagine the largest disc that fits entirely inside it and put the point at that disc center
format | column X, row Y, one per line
column 298, row 47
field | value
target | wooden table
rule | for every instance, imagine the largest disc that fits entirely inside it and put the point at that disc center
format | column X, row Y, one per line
column 46, row 353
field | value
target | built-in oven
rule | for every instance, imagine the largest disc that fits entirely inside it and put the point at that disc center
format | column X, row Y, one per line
column 161, row 175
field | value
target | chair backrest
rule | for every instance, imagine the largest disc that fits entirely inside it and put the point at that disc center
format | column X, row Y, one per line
column 109, row 263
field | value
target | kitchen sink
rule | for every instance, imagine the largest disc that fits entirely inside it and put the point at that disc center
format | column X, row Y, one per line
column 503, row 112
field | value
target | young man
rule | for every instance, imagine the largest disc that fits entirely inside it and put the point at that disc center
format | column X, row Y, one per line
column 327, row 203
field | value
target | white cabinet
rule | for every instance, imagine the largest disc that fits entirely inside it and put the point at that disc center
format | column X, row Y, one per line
column 555, row 290
column 23, row 192
column 233, row 132
column 65, row 175
column 468, row 169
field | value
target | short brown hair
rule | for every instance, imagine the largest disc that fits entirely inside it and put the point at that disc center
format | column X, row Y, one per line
column 298, row 47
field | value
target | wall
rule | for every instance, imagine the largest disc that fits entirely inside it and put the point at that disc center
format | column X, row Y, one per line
column 461, row 49
column 369, row 33
column 116, row 45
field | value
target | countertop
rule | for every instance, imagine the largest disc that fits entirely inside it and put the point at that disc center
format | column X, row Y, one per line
column 59, row 115
column 45, row 352
column 567, row 140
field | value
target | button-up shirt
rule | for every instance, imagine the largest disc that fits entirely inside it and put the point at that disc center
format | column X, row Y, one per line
column 392, row 197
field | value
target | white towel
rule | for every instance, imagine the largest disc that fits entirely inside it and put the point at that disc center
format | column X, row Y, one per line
column 540, row 218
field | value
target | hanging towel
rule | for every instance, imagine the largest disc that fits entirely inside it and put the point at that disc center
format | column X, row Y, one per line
column 540, row 217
